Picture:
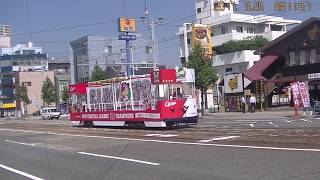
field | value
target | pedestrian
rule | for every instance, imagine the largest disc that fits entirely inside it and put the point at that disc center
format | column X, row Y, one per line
column 253, row 102
column 243, row 104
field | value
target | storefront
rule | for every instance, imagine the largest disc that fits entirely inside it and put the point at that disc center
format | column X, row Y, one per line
column 294, row 56
column 9, row 109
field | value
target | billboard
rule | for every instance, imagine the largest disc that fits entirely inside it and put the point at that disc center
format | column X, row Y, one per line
column 202, row 34
column 127, row 25
column 300, row 94
column 233, row 83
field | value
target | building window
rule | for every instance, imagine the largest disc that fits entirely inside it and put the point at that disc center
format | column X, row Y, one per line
column 292, row 58
column 108, row 50
column 302, row 57
column 228, row 70
column 188, row 41
column 26, row 83
column 224, row 29
column 251, row 30
column 239, row 29
column 148, row 50
column 313, row 56
column 198, row 10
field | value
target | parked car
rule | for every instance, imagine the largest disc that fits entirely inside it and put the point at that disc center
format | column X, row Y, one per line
column 50, row 113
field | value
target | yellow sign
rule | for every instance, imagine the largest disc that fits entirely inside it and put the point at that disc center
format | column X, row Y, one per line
column 8, row 105
column 202, row 34
column 127, row 25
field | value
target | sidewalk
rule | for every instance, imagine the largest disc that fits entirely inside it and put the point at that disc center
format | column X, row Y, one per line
column 279, row 112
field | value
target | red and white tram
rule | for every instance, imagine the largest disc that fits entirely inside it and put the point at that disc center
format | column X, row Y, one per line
column 159, row 99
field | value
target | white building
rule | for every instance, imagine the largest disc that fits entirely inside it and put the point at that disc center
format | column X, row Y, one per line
column 5, row 36
column 21, row 49
column 227, row 25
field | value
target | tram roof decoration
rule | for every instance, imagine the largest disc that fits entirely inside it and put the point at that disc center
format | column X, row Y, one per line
column 77, row 89
column 126, row 25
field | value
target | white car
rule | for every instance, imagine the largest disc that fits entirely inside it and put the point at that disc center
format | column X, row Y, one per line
column 50, row 113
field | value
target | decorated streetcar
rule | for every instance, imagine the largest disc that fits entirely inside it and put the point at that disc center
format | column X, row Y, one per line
column 162, row 98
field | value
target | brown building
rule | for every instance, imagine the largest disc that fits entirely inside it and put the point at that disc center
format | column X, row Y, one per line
column 294, row 56
column 33, row 81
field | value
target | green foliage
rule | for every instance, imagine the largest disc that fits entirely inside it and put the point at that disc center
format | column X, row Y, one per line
column 65, row 95
column 251, row 43
column 98, row 74
column 48, row 91
column 205, row 75
column 22, row 94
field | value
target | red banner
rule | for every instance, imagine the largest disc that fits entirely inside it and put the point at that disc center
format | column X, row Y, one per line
column 295, row 94
column 300, row 94
column 304, row 94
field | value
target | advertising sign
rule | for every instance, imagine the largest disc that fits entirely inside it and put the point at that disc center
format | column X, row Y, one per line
column 127, row 25
column 202, row 34
column 295, row 94
column 314, row 76
column 304, row 94
column 127, row 37
column 233, row 83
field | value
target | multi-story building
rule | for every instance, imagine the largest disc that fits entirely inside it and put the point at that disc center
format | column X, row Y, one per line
column 227, row 25
column 33, row 81
column 62, row 78
column 89, row 51
column 5, row 36
column 17, row 59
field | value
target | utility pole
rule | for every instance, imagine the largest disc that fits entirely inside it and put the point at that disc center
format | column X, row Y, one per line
column 151, row 25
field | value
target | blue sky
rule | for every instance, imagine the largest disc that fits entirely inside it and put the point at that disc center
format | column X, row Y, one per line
column 49, row 14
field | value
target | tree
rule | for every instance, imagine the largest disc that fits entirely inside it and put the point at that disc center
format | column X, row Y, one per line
column 48, row 92
column 98, row 74
column 65, row 94
column 22, row 96
column 205, row 75
column 250, row 43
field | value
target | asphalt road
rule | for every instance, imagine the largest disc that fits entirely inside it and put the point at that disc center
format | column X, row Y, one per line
column 219, row 147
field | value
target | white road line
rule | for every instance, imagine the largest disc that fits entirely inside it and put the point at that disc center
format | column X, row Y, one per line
column 20, row 172
column 160, row 135
column 251, row 125
column 226, row 122
column 273, row 124
column 305, row 120
column 21, row 143
column 185, row 143
column 219, row 138
column 120, row 158
column 318, row 118
column 288, row 121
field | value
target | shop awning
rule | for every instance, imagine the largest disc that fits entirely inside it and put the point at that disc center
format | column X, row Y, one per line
column 254, row 73
column 77, row 89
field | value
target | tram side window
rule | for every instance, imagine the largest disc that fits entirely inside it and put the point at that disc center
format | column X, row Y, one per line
column 163, row 92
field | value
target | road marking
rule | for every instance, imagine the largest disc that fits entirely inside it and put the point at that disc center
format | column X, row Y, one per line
column 120, row 158
column 160, row 135
column 273, row 124
column 305, row 120
column 20, row 172
column 288, row 121
column 219, row 138
column 318, row 118
column 21, row 143
column 49, row 146
column 183, row 143
column 226, row 122
column 251, row 125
